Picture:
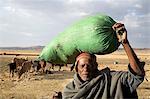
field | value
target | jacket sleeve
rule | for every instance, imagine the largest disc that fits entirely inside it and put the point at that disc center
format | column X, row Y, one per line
column 131, row 79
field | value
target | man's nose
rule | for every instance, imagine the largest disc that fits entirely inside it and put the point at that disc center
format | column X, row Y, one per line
column 85, row 68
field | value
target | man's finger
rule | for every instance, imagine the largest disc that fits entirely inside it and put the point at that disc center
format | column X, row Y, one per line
column 117, row 25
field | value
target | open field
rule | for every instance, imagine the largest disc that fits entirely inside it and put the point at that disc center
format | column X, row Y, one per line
column 43, row 86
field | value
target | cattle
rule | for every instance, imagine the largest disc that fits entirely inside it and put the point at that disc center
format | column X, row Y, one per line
column 15, row 65
column 36, row 65
column 39, row 65
column 48, row 68
column 18, row 62
column 59, row 65
column 25, row 68
column 69, row 67
column 43, row 65
column 12, row 68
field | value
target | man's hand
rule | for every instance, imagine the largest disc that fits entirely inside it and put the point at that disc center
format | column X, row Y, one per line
column 121, row 32
column 133, row 59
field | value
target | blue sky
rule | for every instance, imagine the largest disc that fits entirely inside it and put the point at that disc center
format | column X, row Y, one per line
column 26, row 23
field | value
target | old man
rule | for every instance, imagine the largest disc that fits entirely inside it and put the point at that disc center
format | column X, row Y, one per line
column 91, row 83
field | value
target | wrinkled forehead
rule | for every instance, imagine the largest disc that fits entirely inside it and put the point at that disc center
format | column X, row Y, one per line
column 83, row 55
column 84, row 60
column 86, row 56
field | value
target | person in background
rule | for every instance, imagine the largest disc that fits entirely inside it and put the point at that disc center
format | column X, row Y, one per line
column 91, row 83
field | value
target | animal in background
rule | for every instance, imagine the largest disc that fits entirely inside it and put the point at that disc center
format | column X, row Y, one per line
column 25, row 68
column 18, row 62
column 12, row 68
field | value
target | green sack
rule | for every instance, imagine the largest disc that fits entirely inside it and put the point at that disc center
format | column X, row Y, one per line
column 93, row 34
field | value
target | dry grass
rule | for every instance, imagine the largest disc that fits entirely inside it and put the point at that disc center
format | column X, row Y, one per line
column 43, row 86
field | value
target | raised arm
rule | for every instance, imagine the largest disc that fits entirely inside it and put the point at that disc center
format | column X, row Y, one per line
column 135, row 64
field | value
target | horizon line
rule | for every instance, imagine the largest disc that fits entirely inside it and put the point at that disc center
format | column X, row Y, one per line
column 44, row 46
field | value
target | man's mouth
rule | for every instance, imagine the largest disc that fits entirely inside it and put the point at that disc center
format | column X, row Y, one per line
column 85, row 74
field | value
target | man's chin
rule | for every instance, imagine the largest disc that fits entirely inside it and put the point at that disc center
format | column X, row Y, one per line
column 85, row 78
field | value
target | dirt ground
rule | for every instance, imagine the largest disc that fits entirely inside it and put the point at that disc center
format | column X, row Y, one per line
column 42, row 86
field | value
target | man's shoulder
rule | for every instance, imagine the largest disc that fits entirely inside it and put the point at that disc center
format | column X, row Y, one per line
column 105, row 70
column 108, row 71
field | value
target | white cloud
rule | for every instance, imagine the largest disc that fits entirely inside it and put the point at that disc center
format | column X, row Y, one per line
column 138, row 6
column 131, row 20
column 78, row 1
column 9, row 8
column 23, row 12
column 27, row 34
column 83, row 14
column 50, row 17
column 78, row 14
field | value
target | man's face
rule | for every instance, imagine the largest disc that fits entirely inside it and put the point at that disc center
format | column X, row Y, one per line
column 85, row 69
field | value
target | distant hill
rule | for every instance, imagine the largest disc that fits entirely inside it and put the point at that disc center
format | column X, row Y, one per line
column 22, row 48
column 41, row 47
column 136, row 48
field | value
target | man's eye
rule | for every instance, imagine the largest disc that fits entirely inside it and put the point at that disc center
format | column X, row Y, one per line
column 88, row 65
column 82, row 66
